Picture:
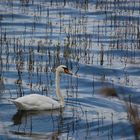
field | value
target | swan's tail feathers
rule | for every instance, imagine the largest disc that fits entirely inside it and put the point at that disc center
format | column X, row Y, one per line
column 11, row 100
column 18, row 104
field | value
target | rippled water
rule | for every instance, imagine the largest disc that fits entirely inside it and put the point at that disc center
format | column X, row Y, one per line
column 98, row 39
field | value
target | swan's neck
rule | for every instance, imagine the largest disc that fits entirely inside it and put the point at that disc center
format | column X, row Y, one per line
column 58, row 93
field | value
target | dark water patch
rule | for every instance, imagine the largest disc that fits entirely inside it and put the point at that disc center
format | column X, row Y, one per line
column 100, row 70
column 29, row 24
column 16, row 16
column 123, row 53
column 133, row 71
column 128, row 8
column 94, row 102
column 124, row 18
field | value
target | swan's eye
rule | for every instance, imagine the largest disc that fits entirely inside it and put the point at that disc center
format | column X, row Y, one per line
column 66, row 70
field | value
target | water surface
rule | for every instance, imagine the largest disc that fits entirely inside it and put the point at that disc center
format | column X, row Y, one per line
column 99, row 40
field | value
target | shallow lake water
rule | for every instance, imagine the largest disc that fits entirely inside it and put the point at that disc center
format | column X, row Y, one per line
column 99, row 40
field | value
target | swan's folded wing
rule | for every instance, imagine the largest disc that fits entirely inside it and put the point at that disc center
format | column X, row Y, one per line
column 35, row 102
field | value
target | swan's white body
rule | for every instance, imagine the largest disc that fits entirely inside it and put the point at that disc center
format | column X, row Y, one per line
column 36, row 102
column 41, row 102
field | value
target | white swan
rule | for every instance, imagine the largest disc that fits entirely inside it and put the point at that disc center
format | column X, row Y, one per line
column 41, row 102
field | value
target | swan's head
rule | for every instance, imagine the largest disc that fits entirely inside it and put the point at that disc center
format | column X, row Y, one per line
column 63, row 69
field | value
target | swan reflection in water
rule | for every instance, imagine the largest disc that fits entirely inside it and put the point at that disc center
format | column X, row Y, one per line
column 37, row 124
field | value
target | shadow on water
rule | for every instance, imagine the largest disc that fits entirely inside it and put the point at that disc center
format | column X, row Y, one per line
column 24, row 118
column 22, row 115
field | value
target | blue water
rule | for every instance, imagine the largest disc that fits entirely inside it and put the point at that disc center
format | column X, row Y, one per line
column 98, row 40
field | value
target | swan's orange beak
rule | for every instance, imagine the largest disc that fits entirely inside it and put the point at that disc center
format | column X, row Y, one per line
column 67, row 71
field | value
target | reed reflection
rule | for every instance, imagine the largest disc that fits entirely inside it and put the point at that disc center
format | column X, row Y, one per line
column 26, row 123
